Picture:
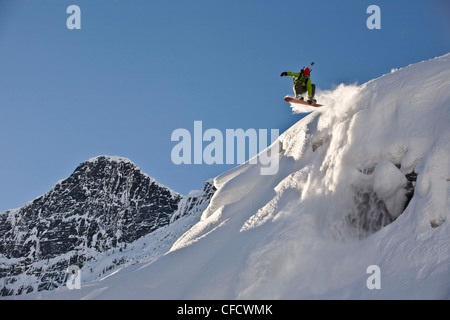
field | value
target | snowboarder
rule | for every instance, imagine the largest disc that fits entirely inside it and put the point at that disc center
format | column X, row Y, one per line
column 302, row 84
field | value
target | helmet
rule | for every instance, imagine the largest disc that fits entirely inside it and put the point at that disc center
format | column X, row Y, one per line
column 306, row 71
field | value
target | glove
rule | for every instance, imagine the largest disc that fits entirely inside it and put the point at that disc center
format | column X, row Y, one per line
column 283, row 74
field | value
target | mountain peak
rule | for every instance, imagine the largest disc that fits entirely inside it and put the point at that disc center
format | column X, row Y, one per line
column 106, row 203
column 117, row 164
column 109, row 159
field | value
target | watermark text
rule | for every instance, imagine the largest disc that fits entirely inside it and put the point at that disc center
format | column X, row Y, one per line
column 229, row 148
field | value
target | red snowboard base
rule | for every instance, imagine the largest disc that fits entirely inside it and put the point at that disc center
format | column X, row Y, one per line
column 292, row 100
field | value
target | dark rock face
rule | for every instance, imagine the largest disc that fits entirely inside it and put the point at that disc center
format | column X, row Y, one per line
column 370, row 213
column 195, row 203
column 105, row 203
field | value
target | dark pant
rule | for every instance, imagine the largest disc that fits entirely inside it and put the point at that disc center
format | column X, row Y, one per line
column 299, row 89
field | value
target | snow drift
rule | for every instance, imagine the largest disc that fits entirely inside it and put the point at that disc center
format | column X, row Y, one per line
column 362, row 181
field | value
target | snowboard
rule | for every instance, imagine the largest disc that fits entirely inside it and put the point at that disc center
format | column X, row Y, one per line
column 292, row 100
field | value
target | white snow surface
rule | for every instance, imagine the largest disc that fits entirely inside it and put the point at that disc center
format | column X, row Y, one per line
column 288, row 235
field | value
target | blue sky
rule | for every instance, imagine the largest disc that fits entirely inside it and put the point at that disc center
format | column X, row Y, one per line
column 138, row 70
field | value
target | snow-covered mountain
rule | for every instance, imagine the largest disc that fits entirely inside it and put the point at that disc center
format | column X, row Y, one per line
column 362, row 182
column 107, row 204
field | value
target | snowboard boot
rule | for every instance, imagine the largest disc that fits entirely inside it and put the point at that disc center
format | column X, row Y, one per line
column 311, row 100
column 299, row 97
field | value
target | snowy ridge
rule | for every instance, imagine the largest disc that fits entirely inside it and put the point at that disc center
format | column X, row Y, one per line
column 362, row 181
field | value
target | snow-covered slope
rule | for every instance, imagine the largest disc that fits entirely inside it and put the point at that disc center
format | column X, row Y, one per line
column 362, row 181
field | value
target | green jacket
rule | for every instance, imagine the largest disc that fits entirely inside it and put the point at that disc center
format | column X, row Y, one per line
column 301, row 81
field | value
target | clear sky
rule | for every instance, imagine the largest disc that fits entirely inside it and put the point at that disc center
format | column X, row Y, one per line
column 138, row 70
